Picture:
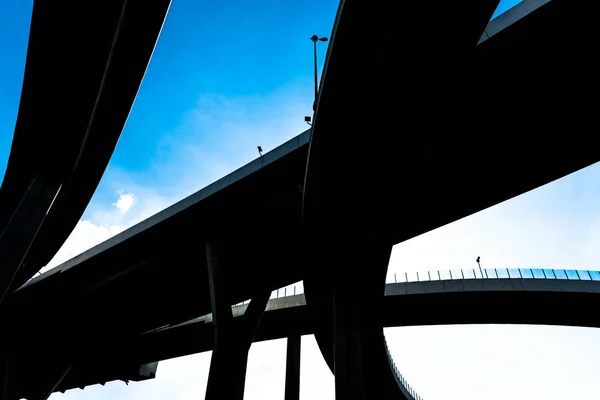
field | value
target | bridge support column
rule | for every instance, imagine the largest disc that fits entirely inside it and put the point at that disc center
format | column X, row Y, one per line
column 227, row 375
column 292, row 368
column 357, row 295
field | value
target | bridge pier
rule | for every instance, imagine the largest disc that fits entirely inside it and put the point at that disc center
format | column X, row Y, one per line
column 357, row 297
column 227, row 374
column 292, row 368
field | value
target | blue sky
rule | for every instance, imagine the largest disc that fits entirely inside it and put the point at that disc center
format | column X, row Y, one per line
column 233, row 49
column 228, row 76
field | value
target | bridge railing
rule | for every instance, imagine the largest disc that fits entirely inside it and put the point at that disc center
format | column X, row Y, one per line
column 298, row 288
column 409, row 392
column 495, row 273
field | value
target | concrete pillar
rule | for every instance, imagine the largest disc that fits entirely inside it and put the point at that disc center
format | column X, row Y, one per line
column 356, row 304
column 348, row 351
column 292, row 368
column 227, row 375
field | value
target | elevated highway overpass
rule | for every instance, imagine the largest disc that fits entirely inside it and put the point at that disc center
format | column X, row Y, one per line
column 74, row 103
column 142, row 278
column 259, row 210
column 448, row 128
column 511, row 296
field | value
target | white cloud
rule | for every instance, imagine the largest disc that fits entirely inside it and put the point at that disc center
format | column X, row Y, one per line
column 125, row 202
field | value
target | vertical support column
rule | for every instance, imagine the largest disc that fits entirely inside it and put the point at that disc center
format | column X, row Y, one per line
column 292, row 368
column 356, row 303
column 348, row 351
column 227, row 375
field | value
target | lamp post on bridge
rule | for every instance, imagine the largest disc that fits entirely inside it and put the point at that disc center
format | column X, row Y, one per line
column 480, row 270
column 316, row 39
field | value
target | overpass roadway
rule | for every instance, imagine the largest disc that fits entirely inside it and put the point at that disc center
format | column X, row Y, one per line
column 155, row 273
column 151, row 258
column 515, row 296
column 74, row 102
column 447, row 128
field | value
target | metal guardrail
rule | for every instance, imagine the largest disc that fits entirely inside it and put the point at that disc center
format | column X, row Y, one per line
column 457, row 274
column 496, row 273
column 408, row 391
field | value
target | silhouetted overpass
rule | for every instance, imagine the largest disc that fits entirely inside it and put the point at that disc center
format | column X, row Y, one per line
column 142, row 278
column 447, row 128
column 516, row 296
column 269, row 224
column 74, row 103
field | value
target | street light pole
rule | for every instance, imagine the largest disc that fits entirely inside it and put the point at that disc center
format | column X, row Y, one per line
column 480, row 270
column 315, row 62
column 314, row 39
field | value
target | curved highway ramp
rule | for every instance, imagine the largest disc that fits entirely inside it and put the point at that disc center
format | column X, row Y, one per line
column 513, row 296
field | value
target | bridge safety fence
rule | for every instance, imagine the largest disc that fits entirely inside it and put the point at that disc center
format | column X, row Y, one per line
column 496, row 273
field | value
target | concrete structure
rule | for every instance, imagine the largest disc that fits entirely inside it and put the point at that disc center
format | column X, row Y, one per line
column 449, row 128
column 100, row 51
column 272, row 223
column 569, row 298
